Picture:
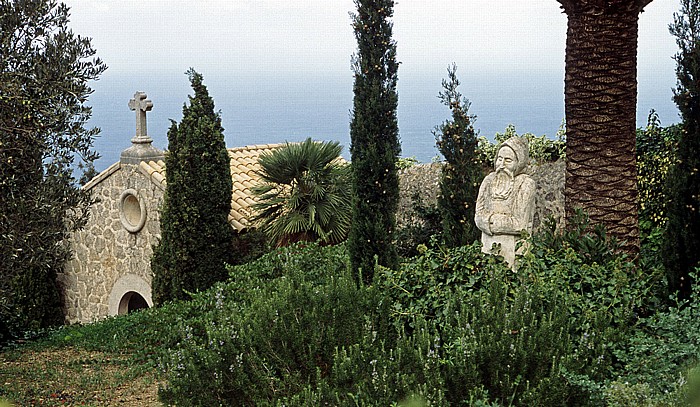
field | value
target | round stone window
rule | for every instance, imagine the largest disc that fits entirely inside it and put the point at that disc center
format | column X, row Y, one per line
column 132, row 211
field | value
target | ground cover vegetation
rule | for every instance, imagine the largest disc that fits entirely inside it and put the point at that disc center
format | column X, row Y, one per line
column 45, row 147
column 577, row 324
column 196, row 238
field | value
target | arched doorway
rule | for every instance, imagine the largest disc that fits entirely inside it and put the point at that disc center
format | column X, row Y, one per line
column 129, row 293
column 130, row 302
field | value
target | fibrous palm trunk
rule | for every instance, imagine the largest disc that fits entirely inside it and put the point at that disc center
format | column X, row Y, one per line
column 600, row 106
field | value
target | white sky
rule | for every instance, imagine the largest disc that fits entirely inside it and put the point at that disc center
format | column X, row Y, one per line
column 240, row 36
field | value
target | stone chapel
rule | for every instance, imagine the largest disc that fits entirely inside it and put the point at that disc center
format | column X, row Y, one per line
column 110, row 272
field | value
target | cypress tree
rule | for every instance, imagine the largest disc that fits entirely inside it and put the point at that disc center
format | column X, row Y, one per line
column 681, row 255
column 461, row 173
column 196, row 238
column 374, row 137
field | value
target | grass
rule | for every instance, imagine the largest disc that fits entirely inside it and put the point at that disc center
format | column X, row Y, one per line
column 62, row 376
column 109, row 363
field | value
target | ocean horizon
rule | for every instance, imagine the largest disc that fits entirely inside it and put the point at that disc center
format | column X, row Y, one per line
column 275, row 108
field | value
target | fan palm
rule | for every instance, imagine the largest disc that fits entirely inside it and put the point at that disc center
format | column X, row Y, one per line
column 304, row 194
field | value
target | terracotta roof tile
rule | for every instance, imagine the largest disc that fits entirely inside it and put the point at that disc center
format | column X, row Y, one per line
column 244, row 164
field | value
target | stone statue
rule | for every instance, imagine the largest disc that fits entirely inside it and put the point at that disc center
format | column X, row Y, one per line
column 506, row 203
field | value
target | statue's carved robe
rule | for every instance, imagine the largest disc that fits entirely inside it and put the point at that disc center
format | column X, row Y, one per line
column 503, row 220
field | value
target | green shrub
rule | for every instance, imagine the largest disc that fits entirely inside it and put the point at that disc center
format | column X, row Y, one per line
column 511, row 335
column 542, row 148
column 419, row 230
column 276, row 336
column 449, row 327
column 665, row 344
column 656, row 153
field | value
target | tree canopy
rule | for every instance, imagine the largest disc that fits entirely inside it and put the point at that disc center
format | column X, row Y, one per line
column 681, row 255
column 44, row 145
column 374, row 137
column 196, row 238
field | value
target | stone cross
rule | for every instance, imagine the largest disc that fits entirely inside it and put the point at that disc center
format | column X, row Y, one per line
column 141, row 105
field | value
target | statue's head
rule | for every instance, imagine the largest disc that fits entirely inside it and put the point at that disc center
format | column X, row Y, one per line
column 513, row 155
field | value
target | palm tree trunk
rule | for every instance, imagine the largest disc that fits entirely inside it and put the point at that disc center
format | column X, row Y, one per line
column 600, row 105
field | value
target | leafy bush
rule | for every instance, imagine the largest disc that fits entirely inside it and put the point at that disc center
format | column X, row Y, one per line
column 542, row 148
column 419, row 230
column 288, row 313
column 656, row 153
column 665, row 344
column 449, row 326
column 519, row 336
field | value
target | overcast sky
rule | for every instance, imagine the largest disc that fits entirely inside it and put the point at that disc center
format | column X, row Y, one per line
column 311, row 35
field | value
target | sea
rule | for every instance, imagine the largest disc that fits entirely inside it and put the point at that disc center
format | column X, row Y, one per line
column 264, row 108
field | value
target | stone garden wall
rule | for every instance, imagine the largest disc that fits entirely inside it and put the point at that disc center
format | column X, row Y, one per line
column 423, row 180
column 110, row 262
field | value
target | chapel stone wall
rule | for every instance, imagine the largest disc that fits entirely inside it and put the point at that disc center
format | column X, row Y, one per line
column 110, row 261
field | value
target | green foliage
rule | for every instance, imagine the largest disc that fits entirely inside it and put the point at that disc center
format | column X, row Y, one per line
column 681, row 254
column 420, row 230
column 195, row 234
column 666, row 343
column 374, row 136
column 574, row 303
column 44, row 73
column 403, row 163
column 461, row 173
column 304, row 194
column 516, row 336
column 542, row 148
column 449, row 327
column 269, row 332
column 249, row 245
column 656, row 154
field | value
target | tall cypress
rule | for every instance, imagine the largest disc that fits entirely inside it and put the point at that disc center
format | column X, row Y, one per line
column 374, row 137
column 461, row 174
column 196, row 238
column 681, row 255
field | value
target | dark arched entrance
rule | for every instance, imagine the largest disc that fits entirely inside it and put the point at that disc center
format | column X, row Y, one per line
column 132, row 301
